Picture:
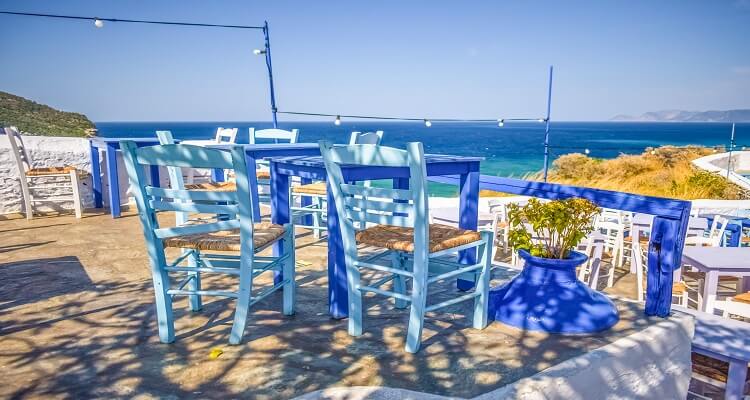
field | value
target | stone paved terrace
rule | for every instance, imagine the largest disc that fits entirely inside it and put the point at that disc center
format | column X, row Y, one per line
column 77, row 320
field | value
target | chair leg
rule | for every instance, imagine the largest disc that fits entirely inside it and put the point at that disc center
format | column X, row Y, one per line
column 483, row 283
column 399, row 282
column 317, row 217
column 74, row 182
column 27, row 199
column 289, row 271
column 196, row 303
column 243, row 300
column 355, row 298
column 611, row 277
column 418, row 304
column 164, row 315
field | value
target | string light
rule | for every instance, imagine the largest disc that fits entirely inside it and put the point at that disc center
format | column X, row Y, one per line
column 653, row 152
column 587, row 151
column 501, row 123
column 541, row 120
column 98, row 23
column 258, row 52
column 337, row 121
column 427, row 123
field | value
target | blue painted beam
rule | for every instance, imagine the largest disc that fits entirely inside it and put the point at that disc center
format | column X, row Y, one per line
column 667, row 234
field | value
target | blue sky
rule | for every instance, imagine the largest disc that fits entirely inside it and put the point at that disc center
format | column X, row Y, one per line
column 406, row 58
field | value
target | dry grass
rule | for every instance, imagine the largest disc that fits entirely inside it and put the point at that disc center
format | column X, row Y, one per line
column 664, row 172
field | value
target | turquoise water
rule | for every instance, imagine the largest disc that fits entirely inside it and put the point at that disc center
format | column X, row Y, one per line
column 511, row 150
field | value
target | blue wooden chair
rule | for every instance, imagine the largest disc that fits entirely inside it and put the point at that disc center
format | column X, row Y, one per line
column 205, row 245
column 317, row 194
column 419, row 251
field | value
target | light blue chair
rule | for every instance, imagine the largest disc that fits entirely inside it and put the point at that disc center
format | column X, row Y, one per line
column 317, row 193
column 397, row 220
column 205, row 245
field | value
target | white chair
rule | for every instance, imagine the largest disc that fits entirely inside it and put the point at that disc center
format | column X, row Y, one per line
column 44, row 184
column 223, row 136
column 738, row 305
column 276, row 135
column 680, row 289
column 715, row 234
column 317, row 194
column 593, row 247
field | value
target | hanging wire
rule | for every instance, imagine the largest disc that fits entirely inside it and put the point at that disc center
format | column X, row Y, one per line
column 389, row 118
column 135, row 21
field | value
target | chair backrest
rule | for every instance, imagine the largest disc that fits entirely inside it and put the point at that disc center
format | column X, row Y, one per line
column 277, row 135
column 366, row 137
column 176, row 181
column 226, row 135
column 23, row 161
column 718, row 227
column 152, row 199
column 361, row 205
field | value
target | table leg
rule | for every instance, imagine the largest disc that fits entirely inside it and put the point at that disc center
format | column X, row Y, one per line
column 338, row 295
column 745, row 284
column 305, row 201
column 96, row 176
column 468, row 215
column 280, row 213
column 155, row 181
column 252, row 179
column 709, row 291
column 635, row 235
column 113, row 180
column 736, row 380
column 217, row 175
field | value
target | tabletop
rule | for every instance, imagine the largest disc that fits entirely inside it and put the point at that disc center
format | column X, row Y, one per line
column 101, row 139
column 317, row 161
column 267, row 146
column 727, row 259
column 720, row 335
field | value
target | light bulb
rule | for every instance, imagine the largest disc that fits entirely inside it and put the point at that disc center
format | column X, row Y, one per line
column 98, row 23
column 337, row 122
column 427, row 123
column 258, row 52
column 653, row 152
column 500, row 122
column 587, row 151
column 541, row 120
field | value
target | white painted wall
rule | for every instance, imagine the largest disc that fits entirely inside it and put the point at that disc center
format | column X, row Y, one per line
column 44, row 152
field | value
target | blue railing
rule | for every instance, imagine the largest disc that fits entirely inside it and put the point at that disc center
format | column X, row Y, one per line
column 667, row 234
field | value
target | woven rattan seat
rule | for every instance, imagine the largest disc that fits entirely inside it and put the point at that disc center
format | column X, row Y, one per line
column 698, row 275
column 442, row 237
column 711, row 368
column 643, row 240
column 50, row 171
column 263, row 234
column 318, row 188
column 742, row 298
column 213, row 186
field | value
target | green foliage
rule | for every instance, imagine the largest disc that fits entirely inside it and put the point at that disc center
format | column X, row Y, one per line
column 33, row 118
column 559, row 226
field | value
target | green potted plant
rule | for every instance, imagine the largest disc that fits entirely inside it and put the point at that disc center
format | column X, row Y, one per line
column 547, row 295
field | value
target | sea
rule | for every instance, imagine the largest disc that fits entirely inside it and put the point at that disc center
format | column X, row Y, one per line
column 513, row 150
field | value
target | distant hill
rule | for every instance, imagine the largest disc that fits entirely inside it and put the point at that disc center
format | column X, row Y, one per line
column 38, row 119
column 689, row 116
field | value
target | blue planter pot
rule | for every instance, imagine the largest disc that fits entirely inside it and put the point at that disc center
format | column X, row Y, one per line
column 547, row 296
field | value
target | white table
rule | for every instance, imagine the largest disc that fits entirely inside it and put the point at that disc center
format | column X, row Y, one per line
column 716, row 261
column 723, row 339
column 642, row 223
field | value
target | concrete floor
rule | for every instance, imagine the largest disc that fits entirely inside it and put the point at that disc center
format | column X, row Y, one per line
column 77, row 320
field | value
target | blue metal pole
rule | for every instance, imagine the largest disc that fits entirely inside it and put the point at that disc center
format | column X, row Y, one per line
column 270, row 72
column 546, row 128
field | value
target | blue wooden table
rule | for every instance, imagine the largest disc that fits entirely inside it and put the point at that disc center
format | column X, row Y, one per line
column 255, row 152
column 111, row 146
column 312, row 168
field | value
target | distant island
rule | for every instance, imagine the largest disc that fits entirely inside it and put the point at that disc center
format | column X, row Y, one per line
column 689, row 116
column 33, row 118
